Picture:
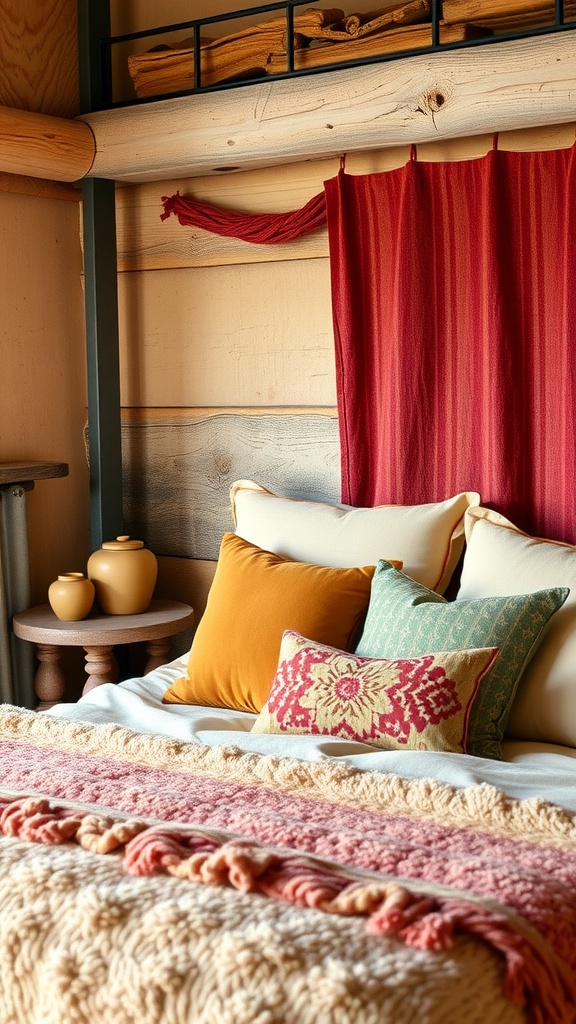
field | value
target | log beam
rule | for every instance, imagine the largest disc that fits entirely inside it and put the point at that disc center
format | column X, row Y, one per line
column 492, row 87
column 43, row 146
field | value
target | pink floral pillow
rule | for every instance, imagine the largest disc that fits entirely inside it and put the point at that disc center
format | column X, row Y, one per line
column 418, row 703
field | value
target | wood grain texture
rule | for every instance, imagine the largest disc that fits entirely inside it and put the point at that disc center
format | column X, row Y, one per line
column 147, row 243
column 229, row 336
column 21, row 472
column 38, row 56
column 44, row 146
column 515, row 84
column 163, row 618
column 178, row 469
column 43, row 375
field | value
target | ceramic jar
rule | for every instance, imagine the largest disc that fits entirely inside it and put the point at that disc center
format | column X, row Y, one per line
column 124, row 575
column 71, row 596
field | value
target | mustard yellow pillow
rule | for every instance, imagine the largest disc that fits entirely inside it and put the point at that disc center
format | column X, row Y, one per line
column 255, row 596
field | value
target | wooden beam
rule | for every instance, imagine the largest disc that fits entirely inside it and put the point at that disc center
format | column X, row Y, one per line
column 147, row 243
column 43, row 146
column 450, row 94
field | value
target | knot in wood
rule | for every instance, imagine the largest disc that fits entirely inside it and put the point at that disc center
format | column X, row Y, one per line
column 222, row 464
column 433, row 99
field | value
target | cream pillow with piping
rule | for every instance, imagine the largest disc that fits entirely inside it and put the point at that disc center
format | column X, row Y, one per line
column 428, row 539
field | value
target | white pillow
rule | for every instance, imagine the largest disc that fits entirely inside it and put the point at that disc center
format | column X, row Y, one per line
column 499, row 560
column 428, row 539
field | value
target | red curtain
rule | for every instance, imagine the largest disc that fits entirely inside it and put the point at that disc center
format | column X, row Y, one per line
column 454, row 305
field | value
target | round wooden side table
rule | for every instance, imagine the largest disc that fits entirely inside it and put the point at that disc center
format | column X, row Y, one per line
column 98, row 634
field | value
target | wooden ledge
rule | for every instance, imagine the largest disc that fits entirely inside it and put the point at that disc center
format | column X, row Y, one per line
column 24, row 472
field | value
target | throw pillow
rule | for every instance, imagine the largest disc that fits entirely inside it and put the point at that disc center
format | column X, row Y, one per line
column 501, row 559
column 428, row 538
column 405, row 619
column 402, row 704
column 255, row 596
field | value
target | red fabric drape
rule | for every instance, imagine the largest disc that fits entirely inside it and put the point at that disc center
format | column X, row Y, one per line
column 261, row 228
column 454, row 305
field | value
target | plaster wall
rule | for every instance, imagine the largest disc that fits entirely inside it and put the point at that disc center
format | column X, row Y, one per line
column 42, row 361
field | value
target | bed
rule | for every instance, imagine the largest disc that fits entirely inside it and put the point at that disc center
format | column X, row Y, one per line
column 379, row 834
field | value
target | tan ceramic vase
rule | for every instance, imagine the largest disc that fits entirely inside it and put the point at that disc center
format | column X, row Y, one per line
column 71, row 596
column 124, row 575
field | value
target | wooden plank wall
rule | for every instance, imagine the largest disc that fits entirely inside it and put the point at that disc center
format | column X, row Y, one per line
column 145, row 242
column 227, row 354
column 180, row 465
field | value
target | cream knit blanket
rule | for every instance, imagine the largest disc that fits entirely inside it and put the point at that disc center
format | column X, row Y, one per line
column 160, row 930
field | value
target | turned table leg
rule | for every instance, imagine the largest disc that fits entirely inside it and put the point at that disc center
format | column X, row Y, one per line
column 157, row 651
column 101, row 667
column 49, row 681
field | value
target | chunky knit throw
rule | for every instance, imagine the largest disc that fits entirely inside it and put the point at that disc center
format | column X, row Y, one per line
column 104, row 828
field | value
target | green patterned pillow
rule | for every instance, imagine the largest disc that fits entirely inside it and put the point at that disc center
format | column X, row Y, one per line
column 405, row 619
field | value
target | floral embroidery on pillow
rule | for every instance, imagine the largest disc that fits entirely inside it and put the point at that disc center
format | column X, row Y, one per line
column 401, row 703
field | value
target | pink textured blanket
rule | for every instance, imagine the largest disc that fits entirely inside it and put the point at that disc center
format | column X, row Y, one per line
column 420, row 860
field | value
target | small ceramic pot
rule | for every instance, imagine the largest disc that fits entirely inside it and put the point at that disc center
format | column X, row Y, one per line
column 124, row 575
column 71, row 596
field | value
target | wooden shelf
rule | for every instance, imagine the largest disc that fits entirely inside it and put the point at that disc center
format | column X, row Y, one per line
column 23, row 472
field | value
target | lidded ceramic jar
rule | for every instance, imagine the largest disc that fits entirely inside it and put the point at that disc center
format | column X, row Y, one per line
column 71, row 596
column 124, row 575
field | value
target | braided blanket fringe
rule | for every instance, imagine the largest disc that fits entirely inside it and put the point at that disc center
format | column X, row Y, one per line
column 421, row 861
column 419, row 920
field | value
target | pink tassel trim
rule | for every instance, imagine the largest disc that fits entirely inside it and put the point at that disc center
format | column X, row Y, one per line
column 421, row 921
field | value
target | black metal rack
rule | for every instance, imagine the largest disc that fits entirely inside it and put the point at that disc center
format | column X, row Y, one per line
column 106, row 45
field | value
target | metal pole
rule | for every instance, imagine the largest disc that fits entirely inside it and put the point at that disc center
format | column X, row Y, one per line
column 17, row 686
column 101, row 299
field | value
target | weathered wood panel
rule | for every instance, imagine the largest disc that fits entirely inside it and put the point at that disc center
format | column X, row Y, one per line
column 179, row 465
column 147, row 243
column 516, row 84
column 229, row 336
